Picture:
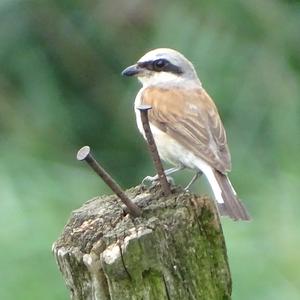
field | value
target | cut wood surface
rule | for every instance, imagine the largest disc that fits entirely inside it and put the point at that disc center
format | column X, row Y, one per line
column 176, row 250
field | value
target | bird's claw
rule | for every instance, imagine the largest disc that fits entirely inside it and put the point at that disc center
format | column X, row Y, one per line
column 154, row 179
column 187, row 189
column 149, row 179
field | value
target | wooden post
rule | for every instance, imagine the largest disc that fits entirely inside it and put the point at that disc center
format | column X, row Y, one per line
column 176, row 250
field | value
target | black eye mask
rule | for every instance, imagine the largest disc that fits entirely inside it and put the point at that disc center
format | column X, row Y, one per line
column 160, row 65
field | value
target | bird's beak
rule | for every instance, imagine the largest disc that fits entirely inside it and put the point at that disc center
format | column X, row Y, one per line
column 132, row 70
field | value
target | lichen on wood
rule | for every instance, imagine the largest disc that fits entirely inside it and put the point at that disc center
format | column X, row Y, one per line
column 176, row 250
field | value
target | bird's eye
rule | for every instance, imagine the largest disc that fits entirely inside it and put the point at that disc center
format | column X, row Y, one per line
column 159, row 64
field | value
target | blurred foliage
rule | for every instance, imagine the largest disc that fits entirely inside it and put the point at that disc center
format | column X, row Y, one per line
column 60, row 88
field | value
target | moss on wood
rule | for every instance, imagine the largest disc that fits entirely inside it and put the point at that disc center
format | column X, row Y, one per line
column 176, row 250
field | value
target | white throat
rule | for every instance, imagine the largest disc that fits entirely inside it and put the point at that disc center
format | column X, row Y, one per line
column 169, row 79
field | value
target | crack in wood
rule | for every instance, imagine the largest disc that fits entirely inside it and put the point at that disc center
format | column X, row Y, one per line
column 166, row 288
column 123, row 263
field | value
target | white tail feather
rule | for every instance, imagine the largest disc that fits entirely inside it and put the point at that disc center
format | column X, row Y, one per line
column 209, row 174
column 225, row 195
column 214, row 185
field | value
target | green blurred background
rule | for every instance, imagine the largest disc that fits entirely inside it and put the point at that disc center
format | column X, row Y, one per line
column 60, row 89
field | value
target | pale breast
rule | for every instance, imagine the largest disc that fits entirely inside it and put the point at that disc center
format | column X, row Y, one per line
column 169, row 149
column 137, row 103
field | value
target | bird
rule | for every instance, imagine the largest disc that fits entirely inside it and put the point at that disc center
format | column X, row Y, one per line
column 185, row 124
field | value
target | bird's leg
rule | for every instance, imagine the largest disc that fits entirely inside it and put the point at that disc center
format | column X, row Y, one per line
column 196, row 176
column 167, row 172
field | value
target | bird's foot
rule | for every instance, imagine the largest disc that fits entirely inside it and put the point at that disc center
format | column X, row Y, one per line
column 196, row 176
column 154, row 179
column 149, row 179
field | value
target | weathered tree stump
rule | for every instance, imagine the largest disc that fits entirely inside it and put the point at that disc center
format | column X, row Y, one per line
column 176, row 250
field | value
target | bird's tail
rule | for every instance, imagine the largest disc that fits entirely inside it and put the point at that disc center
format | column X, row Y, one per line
column 228, row 201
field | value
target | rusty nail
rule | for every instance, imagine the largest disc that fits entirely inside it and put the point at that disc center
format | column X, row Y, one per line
column 153, row 149
column 85, row 154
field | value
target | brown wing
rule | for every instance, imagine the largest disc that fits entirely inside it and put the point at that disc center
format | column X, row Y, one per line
column 190, row 117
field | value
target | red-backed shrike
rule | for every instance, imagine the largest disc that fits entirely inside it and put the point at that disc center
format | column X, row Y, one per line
column 185, row 123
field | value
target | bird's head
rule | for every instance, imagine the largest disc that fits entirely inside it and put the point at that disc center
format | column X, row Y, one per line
column 161, row 66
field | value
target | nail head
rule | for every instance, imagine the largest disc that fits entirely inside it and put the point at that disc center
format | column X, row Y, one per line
column 144, row 107
column 83, row 153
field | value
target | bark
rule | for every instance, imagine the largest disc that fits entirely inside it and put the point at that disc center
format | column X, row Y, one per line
column 176, row 250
